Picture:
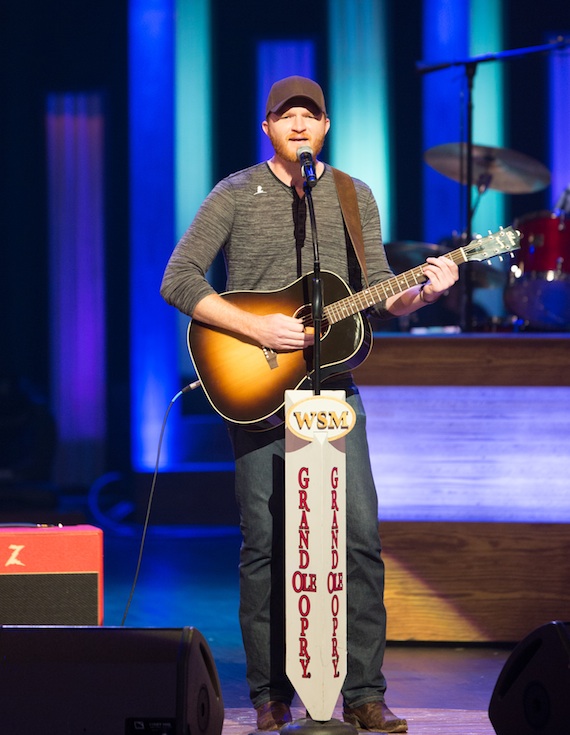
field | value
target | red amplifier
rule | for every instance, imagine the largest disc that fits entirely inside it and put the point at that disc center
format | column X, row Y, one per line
column 51, row 575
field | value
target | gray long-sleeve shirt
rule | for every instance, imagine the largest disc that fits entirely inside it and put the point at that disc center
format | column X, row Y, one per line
column 258, row 222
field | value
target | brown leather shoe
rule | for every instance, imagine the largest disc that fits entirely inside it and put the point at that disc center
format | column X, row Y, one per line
column 374, row 716
column 273, row 715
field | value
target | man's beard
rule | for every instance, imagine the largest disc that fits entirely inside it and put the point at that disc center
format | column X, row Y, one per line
column 282, row 149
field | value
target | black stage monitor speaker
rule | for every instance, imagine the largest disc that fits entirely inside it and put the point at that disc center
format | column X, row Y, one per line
column 532, row 693
column 108, row 681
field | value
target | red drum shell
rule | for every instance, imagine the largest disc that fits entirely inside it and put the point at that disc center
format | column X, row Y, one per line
column 539, row 290
column 545, row 243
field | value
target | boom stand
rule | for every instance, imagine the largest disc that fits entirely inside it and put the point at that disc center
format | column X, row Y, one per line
column 315, row 536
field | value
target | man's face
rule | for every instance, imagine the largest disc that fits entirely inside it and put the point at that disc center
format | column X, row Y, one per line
column 291, row 128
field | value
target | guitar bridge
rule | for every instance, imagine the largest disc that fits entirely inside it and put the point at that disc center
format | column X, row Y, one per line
column 271, row 357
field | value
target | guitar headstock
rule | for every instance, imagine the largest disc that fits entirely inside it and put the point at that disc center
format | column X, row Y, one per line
column 483, row 248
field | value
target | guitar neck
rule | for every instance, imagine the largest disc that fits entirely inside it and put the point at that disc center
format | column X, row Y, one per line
column 373, row 295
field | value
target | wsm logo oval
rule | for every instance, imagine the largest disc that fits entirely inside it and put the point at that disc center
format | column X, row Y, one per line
column 320, row 414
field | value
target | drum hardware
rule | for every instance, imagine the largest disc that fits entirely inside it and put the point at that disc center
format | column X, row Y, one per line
column 563, row 203
column 486, row 166
column 490, row 168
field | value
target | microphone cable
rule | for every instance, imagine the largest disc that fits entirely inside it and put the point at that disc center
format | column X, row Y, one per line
column 186, row 389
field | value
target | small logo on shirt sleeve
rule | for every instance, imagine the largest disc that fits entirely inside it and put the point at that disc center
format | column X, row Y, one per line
column 260, row 190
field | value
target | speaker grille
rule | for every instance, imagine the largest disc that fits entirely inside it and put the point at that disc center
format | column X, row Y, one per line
column 49, row 599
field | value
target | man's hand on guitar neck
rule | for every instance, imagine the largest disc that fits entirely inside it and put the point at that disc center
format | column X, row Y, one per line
column 276, row 331
column 441, row 273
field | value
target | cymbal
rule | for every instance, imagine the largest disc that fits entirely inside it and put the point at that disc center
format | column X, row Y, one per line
column 493, row 168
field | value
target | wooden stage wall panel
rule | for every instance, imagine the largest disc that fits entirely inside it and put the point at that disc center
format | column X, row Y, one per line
column 470, row 359
column 474, row 582
column 454, row 580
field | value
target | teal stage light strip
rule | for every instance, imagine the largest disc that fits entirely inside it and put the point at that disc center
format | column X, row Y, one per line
column 193, row 132
column 193, row 106
column 488, row 102
column 359, row 97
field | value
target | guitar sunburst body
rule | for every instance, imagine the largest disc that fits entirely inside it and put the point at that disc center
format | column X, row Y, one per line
column 241, row 380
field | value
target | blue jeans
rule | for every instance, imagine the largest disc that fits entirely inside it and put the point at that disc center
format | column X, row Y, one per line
column 260, row 463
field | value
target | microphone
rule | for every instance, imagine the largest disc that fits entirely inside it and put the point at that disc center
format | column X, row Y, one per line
column 305, row 156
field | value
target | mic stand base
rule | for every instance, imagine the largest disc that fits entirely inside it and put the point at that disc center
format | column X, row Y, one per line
column 308, row 726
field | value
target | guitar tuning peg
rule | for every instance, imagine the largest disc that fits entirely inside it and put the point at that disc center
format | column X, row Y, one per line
column 488, row 261
column 501, row 258
column 501, row 228
column 478, row 237
column 490, row 232
column 512, row 255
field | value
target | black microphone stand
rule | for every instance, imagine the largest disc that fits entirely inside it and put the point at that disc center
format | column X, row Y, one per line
column 470, row 66
column 317, row 299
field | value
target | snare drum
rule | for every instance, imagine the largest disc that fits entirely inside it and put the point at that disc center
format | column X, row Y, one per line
column 539, row 283
column 545, row 244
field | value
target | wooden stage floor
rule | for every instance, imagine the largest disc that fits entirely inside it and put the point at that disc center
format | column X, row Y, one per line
column 420, row 722
column 438, row 689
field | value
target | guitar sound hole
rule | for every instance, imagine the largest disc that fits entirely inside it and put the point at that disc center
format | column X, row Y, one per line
column 305, row 313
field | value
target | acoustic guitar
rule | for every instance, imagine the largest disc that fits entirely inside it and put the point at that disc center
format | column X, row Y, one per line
column 246, row 382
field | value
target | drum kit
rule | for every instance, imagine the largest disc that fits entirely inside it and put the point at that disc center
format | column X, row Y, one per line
column 537, row 288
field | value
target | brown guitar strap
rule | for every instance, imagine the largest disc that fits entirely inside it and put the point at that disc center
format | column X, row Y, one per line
column 349, row 206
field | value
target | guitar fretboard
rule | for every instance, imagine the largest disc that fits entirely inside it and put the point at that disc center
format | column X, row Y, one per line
column 373, row 295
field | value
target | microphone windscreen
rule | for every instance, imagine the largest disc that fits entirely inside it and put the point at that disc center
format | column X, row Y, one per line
column 304, row 149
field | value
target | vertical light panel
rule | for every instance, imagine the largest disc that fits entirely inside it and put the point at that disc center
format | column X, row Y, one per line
column 358, row 97
column 489, row 102
column 193, row 130
column 559, row 73
column 154, row 378
column 454, row 31
column 276, row 60
column 445, row 39
column 75, row 147
column 488, row 129
column 193, row 135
